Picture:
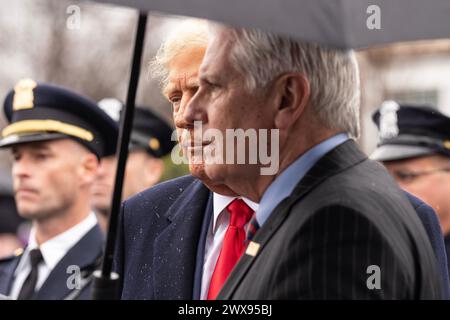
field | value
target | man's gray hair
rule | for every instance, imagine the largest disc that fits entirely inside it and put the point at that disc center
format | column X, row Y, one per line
column 332, row 73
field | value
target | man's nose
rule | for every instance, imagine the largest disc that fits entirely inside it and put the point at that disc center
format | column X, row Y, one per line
column 20, row 168
column 181, row 121
column 192, row 112
column 102, row 170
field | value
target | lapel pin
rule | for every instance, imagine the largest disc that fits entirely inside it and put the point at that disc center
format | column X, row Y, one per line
column 18, row 252
column 252, row 249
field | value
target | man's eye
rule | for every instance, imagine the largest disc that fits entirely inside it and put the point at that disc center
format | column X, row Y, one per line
column 175, row 99
column 213, row 85
column 209, row 84
column 41, row 156
column 406, row 176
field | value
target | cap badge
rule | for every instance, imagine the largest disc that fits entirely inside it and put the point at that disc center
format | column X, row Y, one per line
column 23, row 94
column 389, row 120
column 112, row 107
column 154, row 144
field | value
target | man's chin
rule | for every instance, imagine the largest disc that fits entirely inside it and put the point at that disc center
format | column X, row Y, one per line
column 103, row 211
column 217, row 172
column 28, row 213
column 33, row 212
column 101, row 205
column 197, row 170
column 212, row 178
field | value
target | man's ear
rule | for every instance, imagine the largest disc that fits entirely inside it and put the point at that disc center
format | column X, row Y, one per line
column 88, row 168
column 153, row 171
column 293, row 96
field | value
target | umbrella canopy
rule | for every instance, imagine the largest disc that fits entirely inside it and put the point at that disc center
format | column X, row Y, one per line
column 337, row 23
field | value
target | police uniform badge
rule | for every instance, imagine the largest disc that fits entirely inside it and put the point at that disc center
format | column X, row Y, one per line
column 410, row 131
column 23, row 94
column 389, row 120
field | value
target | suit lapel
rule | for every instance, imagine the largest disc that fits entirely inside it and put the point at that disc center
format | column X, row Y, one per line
column 7, row 274
column 201, row 249
column 176, row 247
column 84, row 254
column 337, row 160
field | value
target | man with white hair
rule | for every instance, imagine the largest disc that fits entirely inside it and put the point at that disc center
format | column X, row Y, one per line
column 332, row 224
column 171, row 235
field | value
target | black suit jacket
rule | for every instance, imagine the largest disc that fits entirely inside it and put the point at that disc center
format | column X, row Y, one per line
column 86, row 254
column 345, row 215
column 160, row 248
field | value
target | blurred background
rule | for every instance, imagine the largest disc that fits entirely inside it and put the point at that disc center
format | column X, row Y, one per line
column 87, row 47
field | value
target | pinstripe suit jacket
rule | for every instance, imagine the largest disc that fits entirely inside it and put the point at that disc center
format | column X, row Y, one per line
column 345, row 215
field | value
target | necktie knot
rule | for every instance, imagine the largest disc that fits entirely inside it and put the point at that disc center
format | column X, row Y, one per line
column 240, row 213
column 233, row 245
column 35, row 257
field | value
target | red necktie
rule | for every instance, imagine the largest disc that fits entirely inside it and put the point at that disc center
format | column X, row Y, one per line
column 233, row 245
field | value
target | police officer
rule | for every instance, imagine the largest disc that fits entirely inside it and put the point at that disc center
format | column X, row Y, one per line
column 150, row 141
column 56, row 138
column 414, row 146
column 10, row 222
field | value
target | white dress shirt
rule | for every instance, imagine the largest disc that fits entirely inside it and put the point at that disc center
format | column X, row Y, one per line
column 214, row 238
column 52, row 250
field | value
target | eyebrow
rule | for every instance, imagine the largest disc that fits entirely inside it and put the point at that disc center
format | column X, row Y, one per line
column 206, row 75
column 172, row 87
column 168, row 89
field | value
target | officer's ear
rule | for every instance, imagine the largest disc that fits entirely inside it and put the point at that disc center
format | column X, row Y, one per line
column 88, row 167
column 153, row 171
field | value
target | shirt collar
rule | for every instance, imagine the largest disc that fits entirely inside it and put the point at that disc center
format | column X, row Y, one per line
column 55, row 249
column 285, row 183
column 220, row 202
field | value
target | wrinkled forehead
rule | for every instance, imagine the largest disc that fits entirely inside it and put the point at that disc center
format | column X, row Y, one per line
column 182, row 83
column 183, row 69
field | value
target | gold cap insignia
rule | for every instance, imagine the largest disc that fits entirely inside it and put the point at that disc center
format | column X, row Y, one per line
column 23, row 94
column 447, row 144
column 154, row 144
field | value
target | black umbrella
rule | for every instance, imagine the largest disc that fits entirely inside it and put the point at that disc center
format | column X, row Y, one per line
column 336, row 23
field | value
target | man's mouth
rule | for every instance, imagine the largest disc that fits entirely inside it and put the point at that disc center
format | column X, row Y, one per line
column 22, row 191
column 100, row 188
column 193, row 145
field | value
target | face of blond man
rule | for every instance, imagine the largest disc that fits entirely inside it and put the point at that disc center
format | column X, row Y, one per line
column 182, row 86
